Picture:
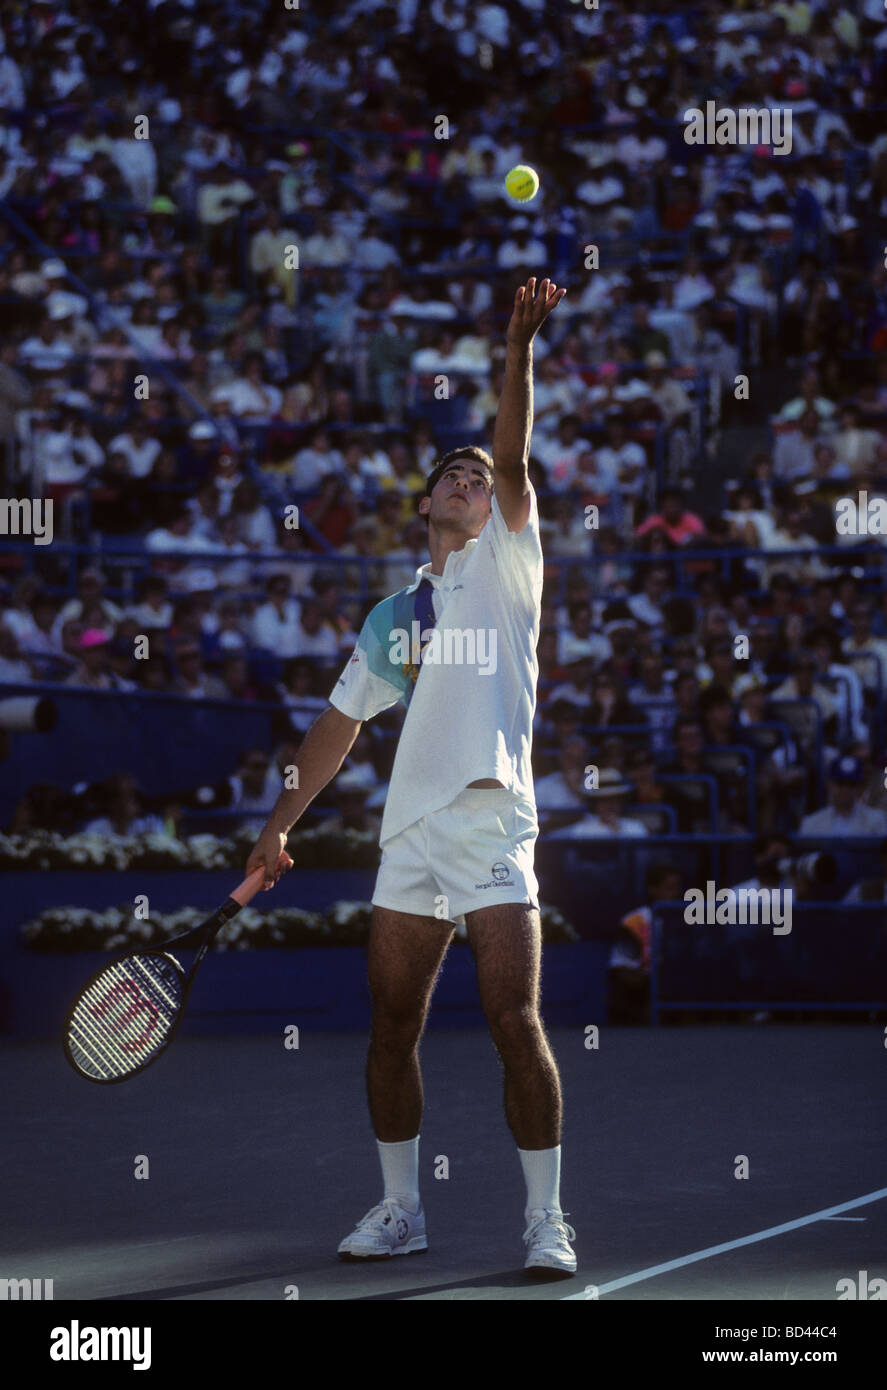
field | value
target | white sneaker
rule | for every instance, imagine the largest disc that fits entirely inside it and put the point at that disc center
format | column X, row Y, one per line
column 547, row 1238
column 388, row 1229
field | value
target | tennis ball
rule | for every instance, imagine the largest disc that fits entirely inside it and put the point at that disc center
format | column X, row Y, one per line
column 522, row 182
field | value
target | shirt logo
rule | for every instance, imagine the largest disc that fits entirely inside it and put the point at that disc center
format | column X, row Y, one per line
column 499, row 872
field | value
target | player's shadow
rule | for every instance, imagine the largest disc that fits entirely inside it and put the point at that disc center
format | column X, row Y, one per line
column 508, row 1279
column 188, row 1290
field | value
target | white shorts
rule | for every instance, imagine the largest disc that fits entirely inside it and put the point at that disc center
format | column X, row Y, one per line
column 475, row 852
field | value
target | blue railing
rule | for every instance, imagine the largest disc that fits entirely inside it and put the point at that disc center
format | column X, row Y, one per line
column 686, row 564
column 751, row 968
column 595, row 882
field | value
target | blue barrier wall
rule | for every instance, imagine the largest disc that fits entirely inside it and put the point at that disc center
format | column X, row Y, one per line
column 169, row 744
column 828, row 960
column 833, row 957
column 258, row 990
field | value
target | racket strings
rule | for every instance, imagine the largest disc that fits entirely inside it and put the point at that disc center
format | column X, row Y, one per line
column 124, row 1016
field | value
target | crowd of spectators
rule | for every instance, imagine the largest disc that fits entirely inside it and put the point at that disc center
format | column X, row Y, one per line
column 251, row 434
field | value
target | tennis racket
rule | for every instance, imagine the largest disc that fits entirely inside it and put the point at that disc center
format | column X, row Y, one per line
column 128, row 1012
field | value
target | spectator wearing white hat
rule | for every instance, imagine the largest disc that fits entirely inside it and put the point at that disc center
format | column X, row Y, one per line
column 605, row 818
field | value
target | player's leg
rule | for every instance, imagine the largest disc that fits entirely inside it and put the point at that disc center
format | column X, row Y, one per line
column 405, row 954
column 404, row 957
column 507, row 943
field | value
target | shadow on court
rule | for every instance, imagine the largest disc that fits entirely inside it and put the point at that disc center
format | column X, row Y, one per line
column 259, row 1160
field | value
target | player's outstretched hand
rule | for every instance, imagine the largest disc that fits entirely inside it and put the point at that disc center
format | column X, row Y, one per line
column 531, row 310
column 271, row 856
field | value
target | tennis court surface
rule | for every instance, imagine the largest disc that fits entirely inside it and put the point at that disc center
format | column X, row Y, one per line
column 260, row 1159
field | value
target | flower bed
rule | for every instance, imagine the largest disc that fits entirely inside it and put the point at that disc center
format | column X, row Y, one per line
column 69, row 929
column 315, row 849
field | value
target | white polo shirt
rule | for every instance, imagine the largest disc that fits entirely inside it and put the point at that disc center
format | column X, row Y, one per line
column 471, row 702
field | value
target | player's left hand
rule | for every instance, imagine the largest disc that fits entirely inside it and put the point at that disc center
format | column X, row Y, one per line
column 531, row 309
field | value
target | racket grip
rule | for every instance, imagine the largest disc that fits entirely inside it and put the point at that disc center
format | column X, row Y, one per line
column 256, row 880
column 249, row 887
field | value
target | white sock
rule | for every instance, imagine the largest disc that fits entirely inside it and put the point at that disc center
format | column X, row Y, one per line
column 542, row 1171
column 400, row 1170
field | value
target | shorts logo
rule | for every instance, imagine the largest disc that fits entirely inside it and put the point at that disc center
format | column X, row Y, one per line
column 501, row 877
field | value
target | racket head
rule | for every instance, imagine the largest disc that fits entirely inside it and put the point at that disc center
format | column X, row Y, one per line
column 125, row 1016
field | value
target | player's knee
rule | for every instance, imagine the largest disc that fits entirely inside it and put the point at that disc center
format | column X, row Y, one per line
column 516, row 1027
column 396, row 1024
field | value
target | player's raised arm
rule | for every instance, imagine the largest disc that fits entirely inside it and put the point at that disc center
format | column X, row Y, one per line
column 514, row 420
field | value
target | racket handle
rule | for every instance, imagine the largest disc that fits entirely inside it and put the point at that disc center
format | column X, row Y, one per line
column 255, row 881
column 249, row 887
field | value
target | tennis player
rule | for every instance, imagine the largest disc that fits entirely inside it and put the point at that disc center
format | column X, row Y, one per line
column 458, row 646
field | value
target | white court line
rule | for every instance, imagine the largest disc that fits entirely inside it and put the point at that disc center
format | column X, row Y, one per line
column 653, row 1270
